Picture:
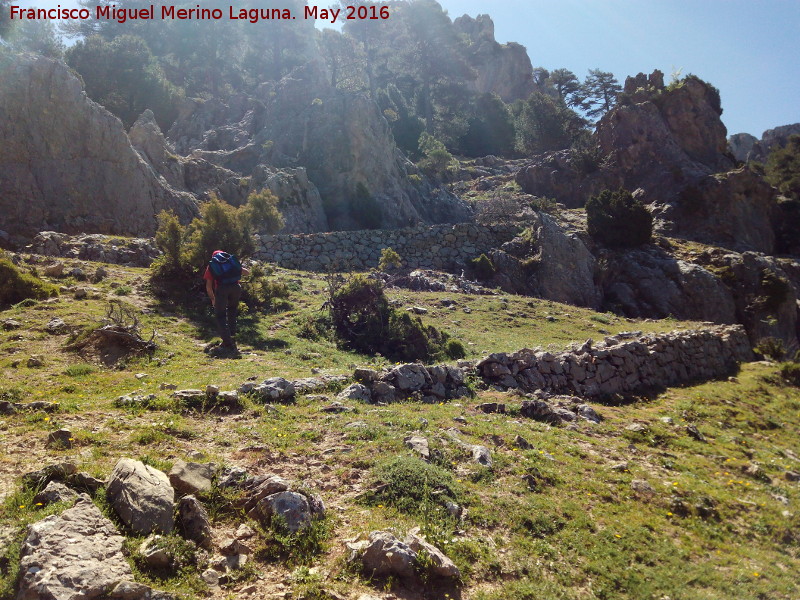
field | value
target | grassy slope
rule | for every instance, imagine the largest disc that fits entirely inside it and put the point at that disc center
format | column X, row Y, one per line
column 583, row 533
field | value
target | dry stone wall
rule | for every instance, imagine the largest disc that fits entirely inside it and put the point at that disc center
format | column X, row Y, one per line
column 438, row 247
column 625, row 363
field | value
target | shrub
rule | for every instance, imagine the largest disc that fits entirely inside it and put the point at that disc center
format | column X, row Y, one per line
column 618, row 220
column 771, row 347
column 362, row 320
column 389, row 259
column 220, row 226
column 791, row 373
column 169, row 239
column 262, row 292
column 365, row 210
column 775, row 290
column 408, row 483
column 437, row 161
column 16, row 285
column 483, row 267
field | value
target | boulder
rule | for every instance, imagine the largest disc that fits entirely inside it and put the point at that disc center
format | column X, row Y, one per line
column 419, row 445
column 670, row 143
column 355, row 391
column 75, row 555
column 292, row 508
column 191, row 478
column 55, row 492
column 194, row 522
column 142, row 497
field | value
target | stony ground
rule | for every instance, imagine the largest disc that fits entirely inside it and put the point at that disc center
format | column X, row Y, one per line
column 686, row 493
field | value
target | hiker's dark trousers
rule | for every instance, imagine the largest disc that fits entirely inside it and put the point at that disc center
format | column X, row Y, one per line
column 226, row 309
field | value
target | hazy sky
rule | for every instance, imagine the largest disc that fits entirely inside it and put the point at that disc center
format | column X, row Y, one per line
column 747, row 48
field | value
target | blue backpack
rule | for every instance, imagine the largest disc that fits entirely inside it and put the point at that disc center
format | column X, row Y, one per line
column 225, row 268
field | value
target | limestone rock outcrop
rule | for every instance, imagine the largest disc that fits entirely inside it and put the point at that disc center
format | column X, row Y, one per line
column 670, row 144
column 502, row 69
column 66, row 163
column 746, row 147
column 550, row 264
column 142, row 496
column 341, row 139
column 649, row 282
column 77, row 554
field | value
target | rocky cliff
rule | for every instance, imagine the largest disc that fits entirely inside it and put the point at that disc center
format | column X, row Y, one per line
column 340, row 139
column 66, row 163
column 671, row 145
column 502, row 69
column 746, row 147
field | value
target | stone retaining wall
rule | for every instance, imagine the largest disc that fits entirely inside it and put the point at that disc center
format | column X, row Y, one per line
column 444, row 247
column 139, row 252
column 625, row 363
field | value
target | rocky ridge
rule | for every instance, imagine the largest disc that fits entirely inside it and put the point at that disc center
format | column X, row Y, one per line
column 670, row 144
column 67, row 163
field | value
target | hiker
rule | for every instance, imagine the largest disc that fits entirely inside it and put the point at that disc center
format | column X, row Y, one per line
column 222, row 286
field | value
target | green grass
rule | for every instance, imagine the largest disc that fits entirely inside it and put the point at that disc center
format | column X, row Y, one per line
column 554, row 521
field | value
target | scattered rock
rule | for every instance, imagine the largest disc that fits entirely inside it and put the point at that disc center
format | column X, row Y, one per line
column 142, row 497
column 271, row 390
column 35, row 361
column 11, row 324
column 521, row 443
column 57, row 472
column 356, row 391
column 419, row 445
column 335, row 407
column 792, row 476
column 194, row 522
column 294, row 509
column 642, row 487
column 134, row 400
column 244, row 532
column 61, row 438
column 154, row 553
column 191, row 478
column 55, row 492
column 491, row 407
column 54, row 270
column 695, row 433
column 48, row 556
column 383, row 555
column 56, row 326
column 482, row 455
column 637, row 428
column 418, row 310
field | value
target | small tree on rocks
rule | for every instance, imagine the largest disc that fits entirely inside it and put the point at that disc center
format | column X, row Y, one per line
column 618, row 220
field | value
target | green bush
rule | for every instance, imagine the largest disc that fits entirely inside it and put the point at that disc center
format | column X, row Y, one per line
column 408, row 483
column 483, row 267
column 618, row 220
column 791, row 373
column 771, row 347
column 438, row 161
column 775, row 290
column 362, row 320
column 389, row 260
column 365, row 210
column 220, row 226
column 261, row 292
column 16, row 285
